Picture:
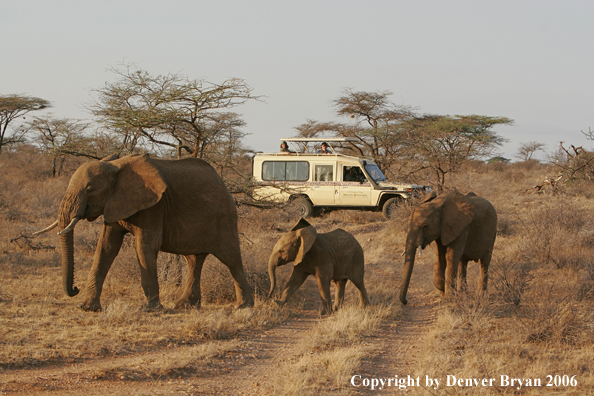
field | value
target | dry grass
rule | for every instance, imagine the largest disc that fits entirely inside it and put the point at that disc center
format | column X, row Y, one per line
column 170, row 365
column 536, row 319
column 330, row 352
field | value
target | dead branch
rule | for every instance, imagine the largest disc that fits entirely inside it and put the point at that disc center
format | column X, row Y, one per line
column 549, row 181
column 24, row 242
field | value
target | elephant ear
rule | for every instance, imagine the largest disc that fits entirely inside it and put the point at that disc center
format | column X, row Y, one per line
column 308, row 236
column 457, row 213
column 138, row 185
column 302, row 223
column 110, row 158
column 429, row 197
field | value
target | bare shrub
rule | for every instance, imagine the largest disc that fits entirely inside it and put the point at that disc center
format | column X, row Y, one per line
column 508, row 280
column 550, row 226
column 506, row 225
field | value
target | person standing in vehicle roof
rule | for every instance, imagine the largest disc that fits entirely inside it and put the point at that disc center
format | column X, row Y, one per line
column 325, row 149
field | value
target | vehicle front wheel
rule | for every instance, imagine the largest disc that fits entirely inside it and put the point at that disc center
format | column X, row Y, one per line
column 389, row 207
column 303, row 207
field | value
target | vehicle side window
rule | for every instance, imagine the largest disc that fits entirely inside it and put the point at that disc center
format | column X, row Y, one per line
column 285, row 170
column 324, row 173
column 298, row 171
column 353, row 173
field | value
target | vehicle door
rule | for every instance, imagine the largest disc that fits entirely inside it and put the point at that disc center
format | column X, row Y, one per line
column 353, row 189
column 323, row 187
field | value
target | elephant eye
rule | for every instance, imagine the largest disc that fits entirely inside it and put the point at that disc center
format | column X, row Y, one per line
column 89, row 189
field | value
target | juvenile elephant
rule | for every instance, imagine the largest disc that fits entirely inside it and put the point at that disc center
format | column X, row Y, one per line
column 334, row 255
column 463, row 228
column 176, row 206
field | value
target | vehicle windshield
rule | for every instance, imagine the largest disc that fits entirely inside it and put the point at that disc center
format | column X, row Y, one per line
column 376, row 174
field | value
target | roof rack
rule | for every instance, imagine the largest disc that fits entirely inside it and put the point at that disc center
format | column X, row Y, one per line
column 295, row 142
column 321, row 140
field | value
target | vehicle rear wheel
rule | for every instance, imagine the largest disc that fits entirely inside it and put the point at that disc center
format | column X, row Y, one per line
column 302, row 207
column 389, row 207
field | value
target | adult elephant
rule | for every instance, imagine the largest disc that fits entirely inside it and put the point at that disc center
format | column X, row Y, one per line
column 463, row 228
column 176, row 206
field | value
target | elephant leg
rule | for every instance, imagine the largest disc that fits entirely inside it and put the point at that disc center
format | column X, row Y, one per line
column 147, row 249
column 324, row 287
column 339, row 285
column 440, row 267
column 108, row 247
column 484, row 275
column 191, row 296
column 453, row 256
column 295, row 281
column 243, row 291
column 462, row 275
column 363, row 297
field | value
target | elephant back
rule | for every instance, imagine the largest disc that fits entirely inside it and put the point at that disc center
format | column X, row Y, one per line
column 347, row 253
column 198, row 181
column 483, row 229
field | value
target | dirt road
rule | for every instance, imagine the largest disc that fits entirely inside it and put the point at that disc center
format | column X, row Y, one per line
column 247, row 366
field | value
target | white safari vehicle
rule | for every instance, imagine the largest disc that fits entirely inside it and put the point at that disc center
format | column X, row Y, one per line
column 312, row 180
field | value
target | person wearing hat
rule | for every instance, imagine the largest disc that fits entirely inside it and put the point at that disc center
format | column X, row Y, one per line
column 284, row 148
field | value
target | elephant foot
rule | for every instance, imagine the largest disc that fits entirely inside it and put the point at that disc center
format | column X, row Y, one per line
column 91, row 306
column 326, row 312
column 246, row 304
column 187, row 304
column 153, row 307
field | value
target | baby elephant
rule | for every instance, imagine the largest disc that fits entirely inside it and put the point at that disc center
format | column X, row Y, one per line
column 334, row 255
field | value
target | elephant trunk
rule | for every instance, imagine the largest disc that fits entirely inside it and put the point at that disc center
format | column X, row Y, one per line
column 409, row 262
column 66, row 241
column 272, row 274
column 71, row 210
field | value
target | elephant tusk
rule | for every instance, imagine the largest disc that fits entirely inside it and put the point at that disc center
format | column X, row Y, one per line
column 51, row 227
column 70, row 226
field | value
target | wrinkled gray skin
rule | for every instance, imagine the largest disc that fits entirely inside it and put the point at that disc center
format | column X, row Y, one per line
column 332, row 256
column 463, row 228
column 179, row 207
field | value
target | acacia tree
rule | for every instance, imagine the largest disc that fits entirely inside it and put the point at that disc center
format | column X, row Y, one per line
column 61, row 138
column 442, row 144
column 377, row 125
column 402, row 142
column 13, row 107
column 172, row 110
column 527, row 150
column 58, row 138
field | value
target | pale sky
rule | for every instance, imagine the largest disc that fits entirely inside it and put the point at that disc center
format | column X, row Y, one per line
column 531, row 61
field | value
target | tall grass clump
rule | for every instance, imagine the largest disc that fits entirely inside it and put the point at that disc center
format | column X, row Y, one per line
column 330, row 352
